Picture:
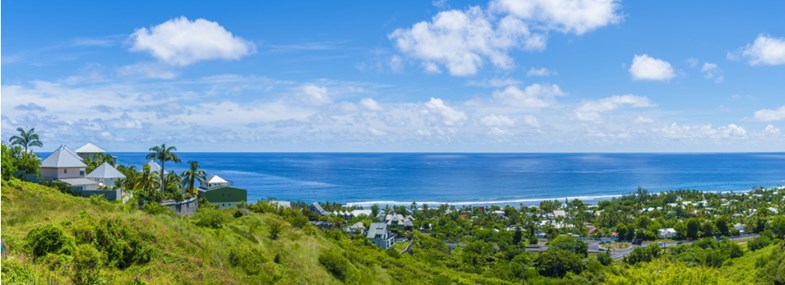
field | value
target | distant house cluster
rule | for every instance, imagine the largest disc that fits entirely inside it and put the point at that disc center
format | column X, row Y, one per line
column 66, row 166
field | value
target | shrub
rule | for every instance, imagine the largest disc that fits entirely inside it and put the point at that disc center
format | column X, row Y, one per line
column 155, row 209
column 209, row 218
column 250, row 260
column 87, row 265
column 275, row 230
column 758, row 243
column 121, row 247
column 49, row 239
column 336, row 264
column 605, row 258
column 15, row 272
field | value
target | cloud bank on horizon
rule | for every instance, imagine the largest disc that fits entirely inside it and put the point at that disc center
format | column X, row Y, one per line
column 565, row 75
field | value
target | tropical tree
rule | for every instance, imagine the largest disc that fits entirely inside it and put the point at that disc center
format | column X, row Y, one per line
column 97, row 160
column 192, row 175
column 163, row 154
column 26, row 139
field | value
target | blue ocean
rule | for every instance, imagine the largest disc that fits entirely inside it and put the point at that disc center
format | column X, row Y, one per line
column 467, row 178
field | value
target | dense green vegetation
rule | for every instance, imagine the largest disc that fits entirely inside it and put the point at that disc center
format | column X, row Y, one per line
column 55, row 237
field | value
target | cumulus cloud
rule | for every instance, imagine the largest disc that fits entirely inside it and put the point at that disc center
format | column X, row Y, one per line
column 533, row 96
column 766, row 50
column 712, row 72
column 497, row 121
column 769, row 115
column 539, row 72
column 449, row 115
column 645, row 67
column 462, row 41
column 370, row 104
column 181, row 41
column 315, row 95
column 771, row 130
column 567, row 16
column 697, row 132
column 591, row 110
column 30, row 107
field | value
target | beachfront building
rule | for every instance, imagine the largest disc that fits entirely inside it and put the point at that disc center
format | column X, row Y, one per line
column 215, row 182
column 380, row 235
column 224, row 197
column 89, row 151
column 105, row 174
column 65, row 166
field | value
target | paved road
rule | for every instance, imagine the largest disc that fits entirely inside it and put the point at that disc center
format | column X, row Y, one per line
column 621, row 253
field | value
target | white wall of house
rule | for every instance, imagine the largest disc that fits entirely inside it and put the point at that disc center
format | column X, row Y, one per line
column 60, row 173
column 108, row 182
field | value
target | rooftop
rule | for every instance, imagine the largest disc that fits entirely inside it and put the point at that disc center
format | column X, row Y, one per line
column 62, row 157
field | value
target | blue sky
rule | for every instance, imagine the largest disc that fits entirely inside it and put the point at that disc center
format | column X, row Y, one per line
column 497, row 75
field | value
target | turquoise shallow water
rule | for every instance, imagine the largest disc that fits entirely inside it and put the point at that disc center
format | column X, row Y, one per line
column 478, row 178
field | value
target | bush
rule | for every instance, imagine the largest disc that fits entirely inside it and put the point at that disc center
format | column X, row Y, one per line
column 758, row 243
column 155, row 209
column 87, row 266
column 605, row 258
column 250, row 260
column 49, row 239
column 556, row 263
column 336, row 264
column 121, row 247
column 15, row 272
column 275, row 230
column 209, row 218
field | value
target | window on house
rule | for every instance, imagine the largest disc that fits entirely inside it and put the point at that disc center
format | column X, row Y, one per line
column 65, row 170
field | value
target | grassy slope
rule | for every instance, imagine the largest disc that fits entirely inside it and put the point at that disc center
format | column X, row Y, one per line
column 186, row 253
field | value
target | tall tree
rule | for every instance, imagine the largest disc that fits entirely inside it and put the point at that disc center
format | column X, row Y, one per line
column 26, row 139
column 162, row 154
column 192, row 175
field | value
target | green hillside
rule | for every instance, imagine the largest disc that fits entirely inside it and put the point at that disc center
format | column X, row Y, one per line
column 131, row 246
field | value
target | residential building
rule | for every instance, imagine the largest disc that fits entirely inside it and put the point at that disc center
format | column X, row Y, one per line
column 357, row 228
column 89, row 151
column 666, row 233
column 224, row 197
column 65, row 166
column 214, row 182
column 105, row 174
column 317, row 209
column 380, row 235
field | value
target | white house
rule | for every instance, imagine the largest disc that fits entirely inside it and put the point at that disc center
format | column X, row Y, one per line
column 88, row 151
column 154, row 167
column 105, row 174
column 666, row 233
column 214, row 182
column 740, row 227
column 65, row 166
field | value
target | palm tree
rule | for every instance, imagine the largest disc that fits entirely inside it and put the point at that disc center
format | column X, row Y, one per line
column 26, row 139
column 192, row 175
column 163, row 154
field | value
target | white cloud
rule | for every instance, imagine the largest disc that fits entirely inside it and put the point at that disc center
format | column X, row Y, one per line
column 771, row 130
column 712, row 72
column 533, row 96
column 540, row 72
column 460, row 41
column 147, row 70
column 497, row 121
column 449, row 115
column 493, row 82
column 766, row 50
column 181, row 41
column 591, row 110
column 643, row 120
column 645, row 67
column 531, row 121
column 568, row 16
column 463, row 40
column 769, row 115
column 315, row 95
column 699, row 132
column 370, row 104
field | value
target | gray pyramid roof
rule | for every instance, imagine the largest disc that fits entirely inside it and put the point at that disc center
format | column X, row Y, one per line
column 89, row 148
column 62, row 157
column 154, row 166
column 105, row 170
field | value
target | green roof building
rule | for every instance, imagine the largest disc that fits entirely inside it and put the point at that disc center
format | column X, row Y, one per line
column 224, row 197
